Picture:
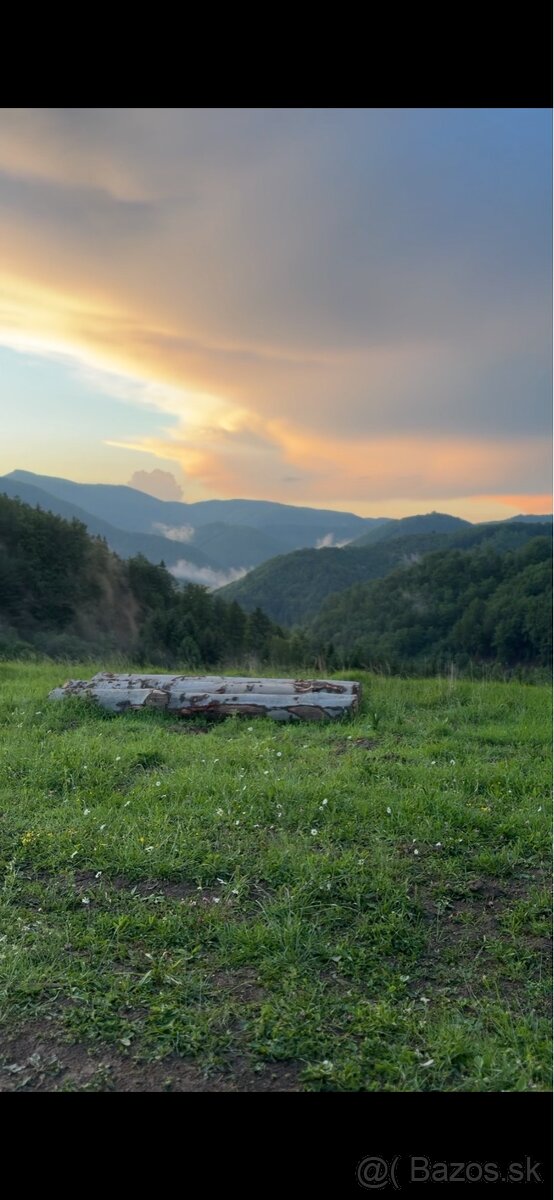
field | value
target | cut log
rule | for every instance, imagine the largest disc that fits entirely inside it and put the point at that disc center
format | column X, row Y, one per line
column 225, row 684
column 308, row 706
column 219, row 695
column 114, row 699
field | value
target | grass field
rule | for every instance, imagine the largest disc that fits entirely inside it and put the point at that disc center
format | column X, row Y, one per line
column 262, row 907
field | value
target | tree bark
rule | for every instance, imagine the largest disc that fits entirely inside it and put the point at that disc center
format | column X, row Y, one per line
column 186, row 695
column 114, row 699
column 225, row 684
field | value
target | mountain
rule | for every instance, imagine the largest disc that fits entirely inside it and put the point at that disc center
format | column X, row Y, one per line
column 289, row 526
column 407, row 526
column 65, row 594
column 292, row 587
column 545, row 518
column 476, row 605
column 231, row 546
column 154, row 547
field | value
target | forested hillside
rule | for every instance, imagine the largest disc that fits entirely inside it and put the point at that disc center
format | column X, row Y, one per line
column 472, row 606
column 485, row 600
column 66, row 594
column 153, row 546
column 292, row 587
column 409, row 526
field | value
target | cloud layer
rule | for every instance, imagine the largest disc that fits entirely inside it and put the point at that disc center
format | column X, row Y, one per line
column 324, row 305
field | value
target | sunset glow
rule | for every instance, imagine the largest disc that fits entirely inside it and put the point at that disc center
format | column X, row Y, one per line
column 364, row 327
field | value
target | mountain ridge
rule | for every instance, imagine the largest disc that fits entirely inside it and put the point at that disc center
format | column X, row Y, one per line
column 293, row 587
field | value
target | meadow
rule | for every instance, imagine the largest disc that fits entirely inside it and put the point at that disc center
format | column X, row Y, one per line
column 250, row 906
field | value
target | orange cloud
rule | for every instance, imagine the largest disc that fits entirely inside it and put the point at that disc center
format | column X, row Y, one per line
column 524, row 502
column 193, row 263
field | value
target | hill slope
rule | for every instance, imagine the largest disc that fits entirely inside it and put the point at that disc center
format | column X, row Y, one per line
column 65, row 593
column 409, row 526
column 292, row 588
column 477, row 604
column 154, row 547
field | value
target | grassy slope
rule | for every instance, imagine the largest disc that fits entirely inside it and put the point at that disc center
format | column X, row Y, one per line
column 244, row 903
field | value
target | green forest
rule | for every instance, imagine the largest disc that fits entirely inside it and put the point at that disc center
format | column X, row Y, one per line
column 292, row 587
column 67, row 595
column 472, row 606
column 481, row 597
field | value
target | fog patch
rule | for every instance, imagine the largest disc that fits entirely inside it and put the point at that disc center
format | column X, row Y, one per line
column 329, row 541
column 211, row 578
column 175, row 533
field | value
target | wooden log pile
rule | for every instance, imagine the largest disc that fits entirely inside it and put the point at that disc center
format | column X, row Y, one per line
column 218, row 695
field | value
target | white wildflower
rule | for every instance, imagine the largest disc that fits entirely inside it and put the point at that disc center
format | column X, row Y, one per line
column 313, row 832
column 85, row 900
column 416, row 851
column 389, row 810
column 86, row 812
column 118, row 758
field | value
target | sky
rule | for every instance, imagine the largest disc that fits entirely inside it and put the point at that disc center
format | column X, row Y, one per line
column 343, row 308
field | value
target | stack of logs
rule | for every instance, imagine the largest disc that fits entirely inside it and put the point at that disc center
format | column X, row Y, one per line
column 219, row 695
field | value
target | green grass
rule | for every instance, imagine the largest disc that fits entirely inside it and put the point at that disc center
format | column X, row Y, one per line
column 363, row 905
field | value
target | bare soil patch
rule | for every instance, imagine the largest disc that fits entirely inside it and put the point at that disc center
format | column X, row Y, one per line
column 355, row 744
column 38, row 1060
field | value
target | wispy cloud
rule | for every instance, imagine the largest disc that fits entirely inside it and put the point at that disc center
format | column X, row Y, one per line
column 179, row 533
column 329, row 540
column 206, row 575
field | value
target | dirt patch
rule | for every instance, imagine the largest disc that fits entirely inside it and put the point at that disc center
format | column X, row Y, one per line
column 91, row 883
column 97, row 885
column 461, row 927
column 243, row 984
column 355, row 743
column 38, row 1060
